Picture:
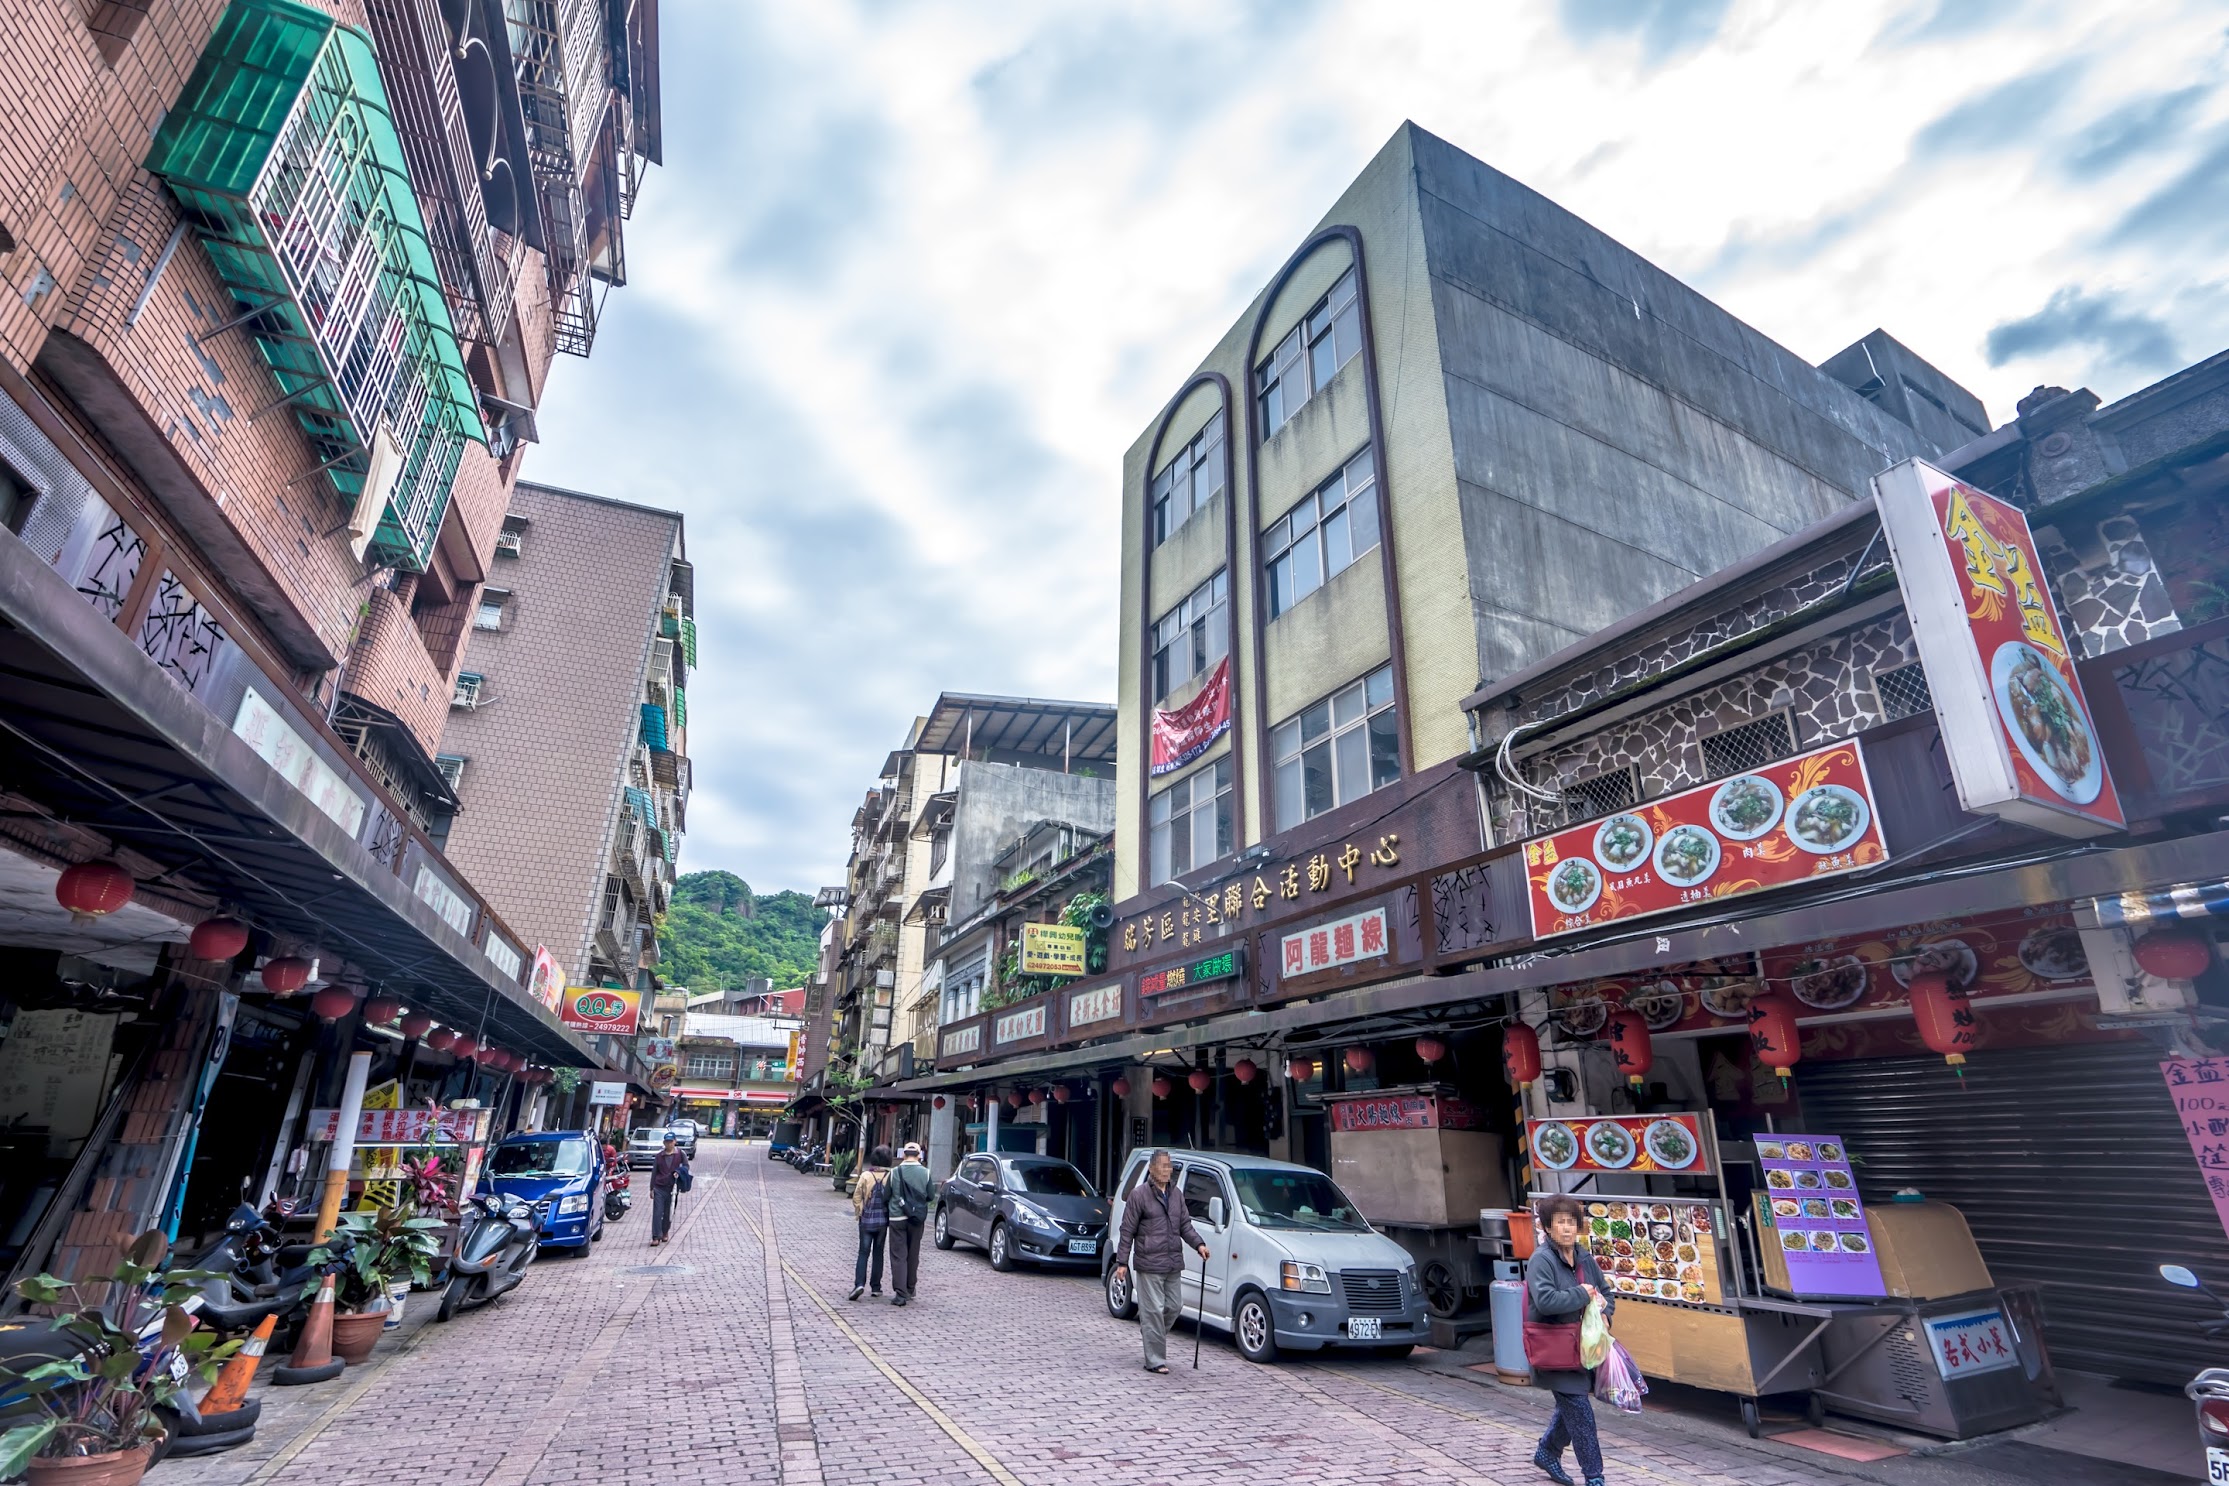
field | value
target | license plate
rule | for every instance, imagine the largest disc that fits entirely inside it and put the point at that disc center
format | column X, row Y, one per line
column 1083, row 1246
column 1363, row 1328
column 2217, row 1464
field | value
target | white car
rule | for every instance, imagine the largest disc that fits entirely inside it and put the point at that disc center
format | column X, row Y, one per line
column 643, row 1145
column 1292, row 1263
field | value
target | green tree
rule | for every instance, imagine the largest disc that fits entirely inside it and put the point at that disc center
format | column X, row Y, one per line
column 719, row 933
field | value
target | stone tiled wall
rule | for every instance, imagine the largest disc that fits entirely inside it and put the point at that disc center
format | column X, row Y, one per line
column 2109, row 588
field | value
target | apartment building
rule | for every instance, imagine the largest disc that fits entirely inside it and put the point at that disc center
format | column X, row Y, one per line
column 735, row 1072
column 567, row 736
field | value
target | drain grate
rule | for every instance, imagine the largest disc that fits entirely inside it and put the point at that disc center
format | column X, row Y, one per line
column 659, row 1269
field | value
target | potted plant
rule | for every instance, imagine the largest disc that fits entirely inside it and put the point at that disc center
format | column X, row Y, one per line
column 371, row 1251
column 123, row 1348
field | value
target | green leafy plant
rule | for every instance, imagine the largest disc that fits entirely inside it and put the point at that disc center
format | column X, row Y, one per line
column 564, row 1080
column 383, row 1245
column 133, row 1346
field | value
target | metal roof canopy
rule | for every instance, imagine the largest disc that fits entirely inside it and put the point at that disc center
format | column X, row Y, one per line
column 972, row 726
column 95, row 732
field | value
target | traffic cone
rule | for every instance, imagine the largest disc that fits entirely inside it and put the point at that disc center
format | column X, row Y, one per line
column 232, row 1384
column 313, row 1360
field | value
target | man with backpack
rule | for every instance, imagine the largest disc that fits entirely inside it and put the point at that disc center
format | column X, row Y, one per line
column 909, row 1214
column 870, row 1203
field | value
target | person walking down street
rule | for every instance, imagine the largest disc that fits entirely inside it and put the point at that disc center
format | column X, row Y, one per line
column 1560, row 1279
column 1156, row 1230
column 909, row 1213
column 664, row 1173
column 870, row 1204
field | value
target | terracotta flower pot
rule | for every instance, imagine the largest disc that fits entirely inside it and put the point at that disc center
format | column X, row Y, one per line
column 355, row 1335
column 119, row 1468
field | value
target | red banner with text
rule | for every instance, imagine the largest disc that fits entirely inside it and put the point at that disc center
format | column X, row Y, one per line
column 1183, row 734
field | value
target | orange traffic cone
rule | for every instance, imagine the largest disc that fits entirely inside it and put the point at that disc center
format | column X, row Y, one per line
column 232, row 1384
column 313, row 1360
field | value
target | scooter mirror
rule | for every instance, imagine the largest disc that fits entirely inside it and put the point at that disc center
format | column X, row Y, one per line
column 2175, row 1274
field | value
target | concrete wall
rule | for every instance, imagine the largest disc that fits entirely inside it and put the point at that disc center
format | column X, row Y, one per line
column 1000, row 801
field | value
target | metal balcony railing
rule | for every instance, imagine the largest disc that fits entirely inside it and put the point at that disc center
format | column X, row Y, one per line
column 563, row 87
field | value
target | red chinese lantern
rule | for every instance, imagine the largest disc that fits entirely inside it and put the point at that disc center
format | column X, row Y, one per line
column 1520, row 1054
column 417, row 1024
column 2176, row 953
column 495, row 1058
column 1014, row 1099
column 1772, row 1033
column 937, row 1102
column 1244, row 1070
column 93, row 889
column 1161, row 1086
column 465, row 1047
column 1630, row 1048
column 217, row 939
column 1060, row 1093
column 441, row 1039
column 380, row 1010
column 333, row 1003
column 1199, row 1079
column 1946, row 1019
column 1037, row 1096
column 286, row 975
column 1361, row 1060
column 1300, row 1070
column 1430, row 1049
column 1120, row 1087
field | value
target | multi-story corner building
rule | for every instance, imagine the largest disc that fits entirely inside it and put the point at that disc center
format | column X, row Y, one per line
column 735, row 1071
column 567, row 735
column 884, row 953
column 284, row 287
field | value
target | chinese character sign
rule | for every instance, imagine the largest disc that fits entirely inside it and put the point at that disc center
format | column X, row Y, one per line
column 2200, row 1089
column 1341, row 942
column 1184, row 733
column 1052, row 949
column 1971, row 1342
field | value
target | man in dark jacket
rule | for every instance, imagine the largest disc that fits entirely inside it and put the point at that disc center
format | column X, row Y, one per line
column 1156, row 1229
column 663, row 1174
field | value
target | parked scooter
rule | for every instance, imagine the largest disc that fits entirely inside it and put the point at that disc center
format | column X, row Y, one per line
column 497, row 1238
column 2209, row 1391
column 617, row 1197
column 248, row 1283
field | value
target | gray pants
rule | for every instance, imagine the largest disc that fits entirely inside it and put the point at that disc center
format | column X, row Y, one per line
column 661, row 1211
column 1160, row 1299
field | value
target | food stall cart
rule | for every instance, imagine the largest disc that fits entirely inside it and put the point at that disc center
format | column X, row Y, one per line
column 1420, row 1169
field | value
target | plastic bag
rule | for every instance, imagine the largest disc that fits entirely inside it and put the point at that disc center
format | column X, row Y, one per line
column 1618, row 1382
column 1594, row 1334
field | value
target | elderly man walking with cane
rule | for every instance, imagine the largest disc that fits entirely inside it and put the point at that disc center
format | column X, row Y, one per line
column 1156, row 1229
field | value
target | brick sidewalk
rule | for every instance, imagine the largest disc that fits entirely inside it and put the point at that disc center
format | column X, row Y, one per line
column 590, row 1373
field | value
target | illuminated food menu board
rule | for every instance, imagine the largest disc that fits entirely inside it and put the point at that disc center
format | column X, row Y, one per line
column 1815, row 1215
column 1657, row 1250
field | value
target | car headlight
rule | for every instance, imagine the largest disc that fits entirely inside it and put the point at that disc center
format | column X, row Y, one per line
column 1294, row 1275
column 1030, row 1217
column 578, row 1203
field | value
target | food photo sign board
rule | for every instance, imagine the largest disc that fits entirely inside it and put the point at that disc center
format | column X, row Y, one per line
column 1804, row 817
column 2016, row 728
column 1813, row 1212
column 1657, row 1249
column 1669, row 1145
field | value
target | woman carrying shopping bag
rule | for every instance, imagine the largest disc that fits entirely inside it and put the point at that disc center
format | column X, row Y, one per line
column 1561, row 1281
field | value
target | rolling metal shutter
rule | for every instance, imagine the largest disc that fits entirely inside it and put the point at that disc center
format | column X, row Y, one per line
column 2073, row 1174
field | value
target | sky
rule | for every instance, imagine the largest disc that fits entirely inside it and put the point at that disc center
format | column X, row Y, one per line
column 914, row 275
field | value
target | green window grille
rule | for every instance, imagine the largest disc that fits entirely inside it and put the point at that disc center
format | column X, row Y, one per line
column 689, row 642
column 283, row 155
column 680, row 708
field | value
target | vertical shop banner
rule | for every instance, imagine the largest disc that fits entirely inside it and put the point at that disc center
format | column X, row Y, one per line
column 2016, row 728
column 613, row 1010
column 1182, row 735
column 1816, row 1216
column 543, row 980
column 2200, row 1089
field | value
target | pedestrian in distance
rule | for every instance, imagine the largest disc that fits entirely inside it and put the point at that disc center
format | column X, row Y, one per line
column 1156, row 1230
column 909, row 1214
column 1560, row 1279
column 870, row 1204
column 665, row 1173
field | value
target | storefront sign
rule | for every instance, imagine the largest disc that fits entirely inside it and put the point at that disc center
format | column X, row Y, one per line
column 793, row 1070
column 1813, row 1212
column 1052, row 949
column 275, row 741
column 1099, row 1004
column 961, row 1040
column 1971, row 1342
column 1631, row 1143
column 663, row 1075
column 1807, row 817
column 1401, row 1112
column 655, row 1049
column 1270, row 894
column 1224, row 966
column 543, row 981
column 1340, row 942
column 2200, row 1089
column 1021, row 1025
column 1658, row 1249
column 613, row 1010
column 1184, row 733
column 2016, row 729
column 602, row 1094
column 396, row 1126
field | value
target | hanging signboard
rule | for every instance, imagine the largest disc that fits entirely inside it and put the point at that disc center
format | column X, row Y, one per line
column 2200, row 1089
column 2016, row 728
column 1805, row 817
column 606, row 1094
column 543, row 981
column 1658, row 1248
column 397, row 1127
column 1224, row 966
column 1401, row 1112
column 1813, row 1212
column 613, row 1010
column 1671, row 1143
column 1183, row 734
column 1052, row 949
column 1340, row 942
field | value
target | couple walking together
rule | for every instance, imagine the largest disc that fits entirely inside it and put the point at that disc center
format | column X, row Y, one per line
column 892, row 1206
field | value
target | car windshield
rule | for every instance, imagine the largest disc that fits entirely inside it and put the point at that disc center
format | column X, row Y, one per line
column 650, row 1137
column 541, row 1158
column 1049, row 1179
column 1295, row 1199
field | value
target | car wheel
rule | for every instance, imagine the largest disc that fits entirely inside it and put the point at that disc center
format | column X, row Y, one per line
column 598, row 1235
column 1254, row 1329
column 1002, row 1249
column 944, row 1238
column 1443, row 1293
column 1122, row 1302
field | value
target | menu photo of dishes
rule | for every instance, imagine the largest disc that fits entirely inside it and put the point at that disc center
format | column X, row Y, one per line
column 1656, row 1249
column 1810, row 1208
column 1668, row 1144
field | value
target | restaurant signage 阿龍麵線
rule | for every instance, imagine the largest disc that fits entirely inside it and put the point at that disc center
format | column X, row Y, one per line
column 1363, row 936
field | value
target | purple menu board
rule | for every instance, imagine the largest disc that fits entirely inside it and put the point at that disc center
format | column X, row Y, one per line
column 1816, row 1216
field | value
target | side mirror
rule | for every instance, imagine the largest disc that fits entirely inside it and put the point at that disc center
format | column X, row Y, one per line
column 2175, row 1274
column 1215, row 1212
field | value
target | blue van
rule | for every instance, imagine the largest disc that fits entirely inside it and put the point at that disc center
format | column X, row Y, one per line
column 560, row 1173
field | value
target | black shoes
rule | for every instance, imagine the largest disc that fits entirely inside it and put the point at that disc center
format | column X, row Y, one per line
column 1554, row 1471
column 900, row 1299
column 859, row 1290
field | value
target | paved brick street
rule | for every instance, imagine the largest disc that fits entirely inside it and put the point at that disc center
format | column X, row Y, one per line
column 595, row 1371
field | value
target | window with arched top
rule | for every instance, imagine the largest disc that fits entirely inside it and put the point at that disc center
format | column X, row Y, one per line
column 1308, row 358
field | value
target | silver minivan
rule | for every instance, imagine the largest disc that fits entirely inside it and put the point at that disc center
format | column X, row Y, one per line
column 1292, row 1264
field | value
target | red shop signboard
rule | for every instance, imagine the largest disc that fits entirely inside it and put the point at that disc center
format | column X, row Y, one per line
column 1805, row 817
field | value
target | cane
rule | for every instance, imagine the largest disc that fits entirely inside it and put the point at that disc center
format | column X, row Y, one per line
column 1199, row 1316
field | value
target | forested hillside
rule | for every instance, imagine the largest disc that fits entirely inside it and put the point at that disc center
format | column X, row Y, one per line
column 719, row 933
